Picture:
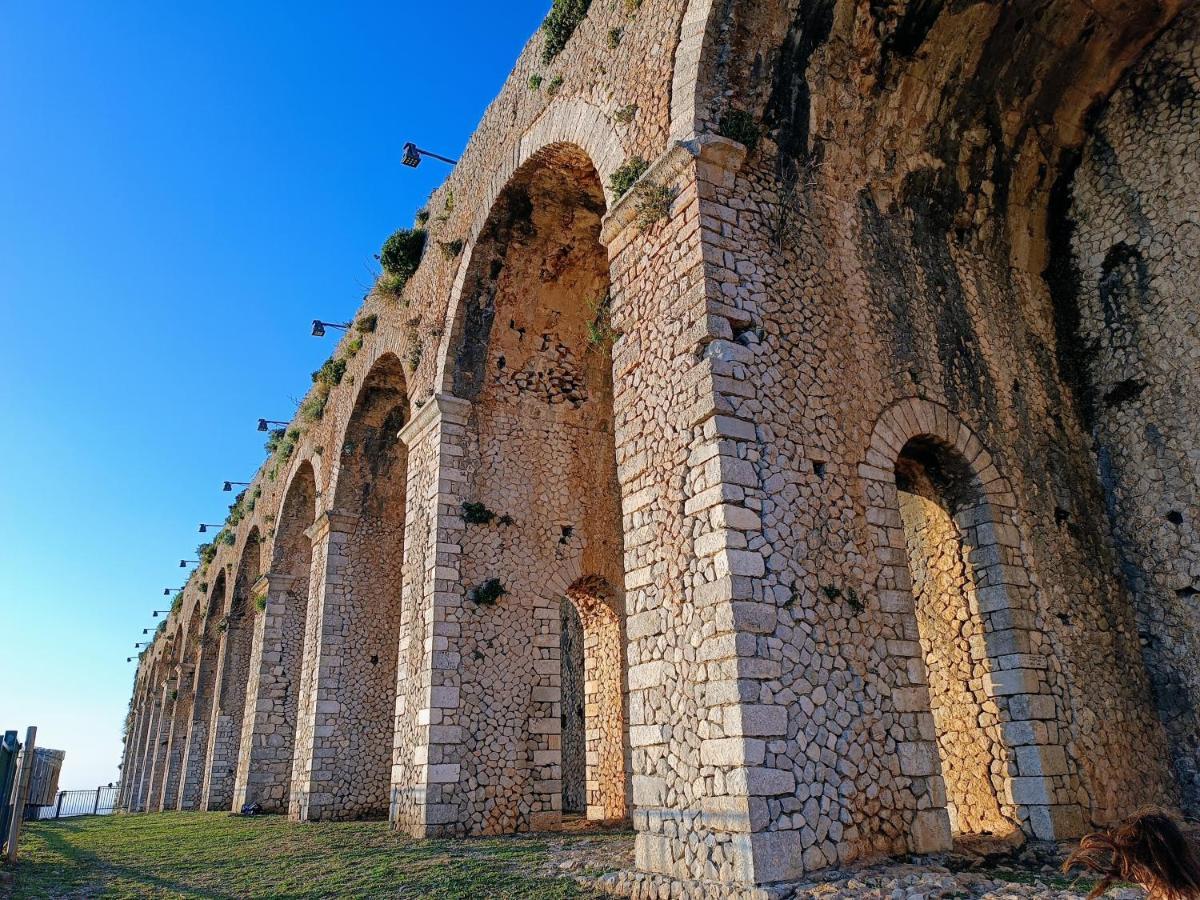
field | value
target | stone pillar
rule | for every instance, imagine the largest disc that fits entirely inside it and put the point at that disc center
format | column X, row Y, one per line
column 269, row 723
column 158, row 769
column 428, row 734
column 192, row 773
column 693, row 640
column 142, row 791
column 177, row 740
column 135, row 743
column 319, row 741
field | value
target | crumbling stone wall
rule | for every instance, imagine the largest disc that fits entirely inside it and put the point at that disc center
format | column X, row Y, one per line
column 1134, row 233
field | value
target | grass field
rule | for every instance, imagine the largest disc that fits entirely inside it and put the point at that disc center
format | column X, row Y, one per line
column 216, row 855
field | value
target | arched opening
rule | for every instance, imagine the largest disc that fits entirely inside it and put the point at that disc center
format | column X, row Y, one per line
column 235, row 629
column 542, row 673
column 272, row 744
column 187, row 647
column 938, row 497
column 195, row 776
column 356, row 691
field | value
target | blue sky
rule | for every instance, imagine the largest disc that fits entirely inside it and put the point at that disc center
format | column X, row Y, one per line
column 182, row 189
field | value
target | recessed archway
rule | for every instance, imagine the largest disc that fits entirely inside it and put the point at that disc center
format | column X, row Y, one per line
column 542, row 681
column 346, row 762
column 195, row 776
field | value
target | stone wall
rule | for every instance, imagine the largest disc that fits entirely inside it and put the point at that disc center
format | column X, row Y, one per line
column 869, row 482
column 1134, row 243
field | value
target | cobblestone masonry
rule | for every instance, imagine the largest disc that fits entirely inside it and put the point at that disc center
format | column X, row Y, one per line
column 854, row 445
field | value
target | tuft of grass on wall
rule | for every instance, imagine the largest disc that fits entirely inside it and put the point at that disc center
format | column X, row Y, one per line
column 738, row 125
column 626, row 175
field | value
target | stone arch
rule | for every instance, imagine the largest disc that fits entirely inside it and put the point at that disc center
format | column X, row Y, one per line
column 949, row 546
column 567, row 125
column 345, row 750
column 532, row 354
column 195, row 772
column 693, row 62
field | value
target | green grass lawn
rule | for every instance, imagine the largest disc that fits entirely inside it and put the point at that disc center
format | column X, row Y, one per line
column 217, row 855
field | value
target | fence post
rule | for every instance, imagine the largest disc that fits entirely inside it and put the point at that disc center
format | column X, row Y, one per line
column 22, row 792
column 96, row 806
column 58, row 805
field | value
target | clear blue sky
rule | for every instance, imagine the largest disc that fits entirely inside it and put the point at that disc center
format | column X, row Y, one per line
column 182, row 189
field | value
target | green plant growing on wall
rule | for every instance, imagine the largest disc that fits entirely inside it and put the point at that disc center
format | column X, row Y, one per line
column 203, row 587
column 260, row 602
column 560, row 24
column 476, row 513
column 738, row 125
column 654, row 203
column 366, row 324
column 400, row 256
column 354, row 345
column 624, row 114
column 600, row 332
column 487, row 593
column 331, row 373
column 422, row 218
column 274, row 439
column 555, row 83
column 535, row 82
column 451, row 249
column 313, row 407
column 632, row 6
column 177, row 602
column 614, row 38
column 413, row 357
column 626, row 174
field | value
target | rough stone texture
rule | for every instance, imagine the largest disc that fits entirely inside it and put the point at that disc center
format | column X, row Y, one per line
column 872, row 492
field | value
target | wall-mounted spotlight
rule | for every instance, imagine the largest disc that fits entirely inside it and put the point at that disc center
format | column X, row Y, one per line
column 413, row 154
column 264, row 424
column 129, row 659
column 318, row 329
column 204, row 526
column 141, row 644
column 184, row 563
column 228, row 485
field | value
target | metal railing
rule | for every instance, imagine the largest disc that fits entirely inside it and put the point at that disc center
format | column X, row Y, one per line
column 98, row 802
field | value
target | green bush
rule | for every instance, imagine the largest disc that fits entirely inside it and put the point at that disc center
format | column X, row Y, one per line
column 535, row 82
column 560, row 24
column 625, row 176
column 400, row 256
column 273, row 440
column 422, row 218
column 366, row 324
column 600, row 332
column 614, row 38
column 451, row 249
column 625, row 114
column 313, row 407
column 331, row 373
column 476, row 514
column 260, row 602
column 487, row 593
column 738, row 125
column 555, row 83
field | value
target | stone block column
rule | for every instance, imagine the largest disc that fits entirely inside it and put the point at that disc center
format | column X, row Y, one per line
column 192, row 769
column 158, row 770
column 142, row 792
column 267, row 742
column 428, row 733
column 135, row 744
column 319, row 741
column 177, row 741
column 695, row 638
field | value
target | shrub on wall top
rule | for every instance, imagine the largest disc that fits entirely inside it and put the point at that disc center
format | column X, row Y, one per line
column 400, row 256
column 626, row 174
column 560, row 24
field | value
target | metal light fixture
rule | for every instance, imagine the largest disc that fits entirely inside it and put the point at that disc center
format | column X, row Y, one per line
column 413, row 153
column 129, row 659
column 141, row 644
column 318, row 330
column 184, row 563
column 204, row 526
column 264, row 424
column 228, row 486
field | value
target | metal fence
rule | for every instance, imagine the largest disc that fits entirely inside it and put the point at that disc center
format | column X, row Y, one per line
column 98, row 802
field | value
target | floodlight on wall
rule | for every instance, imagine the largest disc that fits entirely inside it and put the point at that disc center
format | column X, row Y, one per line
column 204, row 526
column 184, row 563
column 264, row 424
column 318, row 330
column 413, row 153
column 141, row 644
column 129, row 659
column 228, row 485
